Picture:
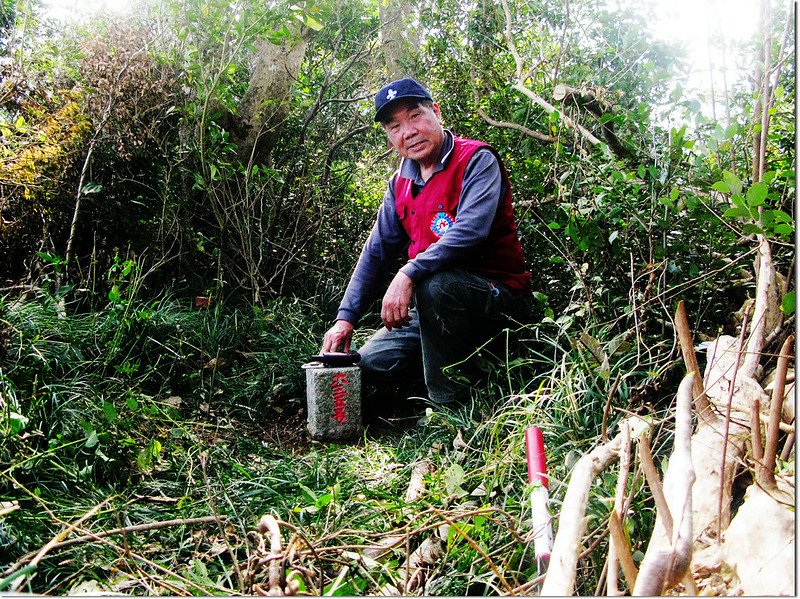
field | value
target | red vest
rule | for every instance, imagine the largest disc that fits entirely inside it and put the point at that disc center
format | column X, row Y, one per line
column 430, row 214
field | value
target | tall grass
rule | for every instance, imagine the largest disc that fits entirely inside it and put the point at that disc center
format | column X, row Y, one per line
column 150, row 412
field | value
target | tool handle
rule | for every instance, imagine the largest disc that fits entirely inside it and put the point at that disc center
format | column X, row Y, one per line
column 534, row 452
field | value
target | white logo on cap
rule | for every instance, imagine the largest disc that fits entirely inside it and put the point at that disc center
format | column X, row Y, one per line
column 391, row 94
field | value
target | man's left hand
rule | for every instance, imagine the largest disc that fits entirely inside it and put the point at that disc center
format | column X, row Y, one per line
column 396, row 302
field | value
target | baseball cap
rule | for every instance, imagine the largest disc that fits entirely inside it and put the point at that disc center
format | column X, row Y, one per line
column 397, row 90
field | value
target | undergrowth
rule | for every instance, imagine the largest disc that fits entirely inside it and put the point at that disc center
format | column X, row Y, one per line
column 143, row 413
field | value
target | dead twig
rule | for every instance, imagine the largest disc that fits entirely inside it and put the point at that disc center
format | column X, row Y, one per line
column 277, row 584
column 416, row 486
column 701, row 404
column 607, row 408
column 117, row 531
column 618, row 515
column 767, row 471
column 669, row 554
column 654, row 482
column 622, row 552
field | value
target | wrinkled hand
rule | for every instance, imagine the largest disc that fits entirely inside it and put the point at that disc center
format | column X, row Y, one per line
column 394, row 310
column 339, row 335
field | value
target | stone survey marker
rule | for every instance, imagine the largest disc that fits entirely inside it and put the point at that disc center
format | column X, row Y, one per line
column 334, row 401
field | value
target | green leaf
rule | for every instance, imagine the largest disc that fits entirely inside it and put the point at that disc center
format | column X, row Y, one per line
column 789, row 303
column 738, row 200
column 92, row 440
column 779, row 216
column 242, row 470
column 148, row 455
column 91, row 188
column 456, row 532
column 18, row 422
column 453, row 479
column 732, row 131
column 757, row 194
column 736, row 212
column 540, row 297
column 312, row 23
column 109, row 411
column 666, row 202
column 324, row 500
column 733, row 182
column 199, row 181
column 54, row 260
column 114, row 295
column 308, row 494
column 6, row 582
column 752, row 229
column 721, row 187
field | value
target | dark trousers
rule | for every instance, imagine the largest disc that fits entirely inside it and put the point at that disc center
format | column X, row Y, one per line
column 454, row 313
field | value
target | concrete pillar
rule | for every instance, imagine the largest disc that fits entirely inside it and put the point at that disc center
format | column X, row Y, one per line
column 334, row 402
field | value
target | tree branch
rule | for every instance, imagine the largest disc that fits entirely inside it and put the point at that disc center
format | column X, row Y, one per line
column 560, row 579
column 516, row 127
column 669, row 553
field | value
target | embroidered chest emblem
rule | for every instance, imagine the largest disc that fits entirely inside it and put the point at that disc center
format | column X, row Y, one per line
column 441, row 223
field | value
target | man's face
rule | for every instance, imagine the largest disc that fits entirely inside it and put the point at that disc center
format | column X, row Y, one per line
column 415, row 131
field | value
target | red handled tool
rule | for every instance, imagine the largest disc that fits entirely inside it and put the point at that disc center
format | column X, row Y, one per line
column 537, row 477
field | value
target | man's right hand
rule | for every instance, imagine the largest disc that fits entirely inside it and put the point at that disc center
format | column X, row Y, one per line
column 339, row 335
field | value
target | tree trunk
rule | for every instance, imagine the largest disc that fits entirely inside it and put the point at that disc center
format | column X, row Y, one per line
column 398, row 39
column 266, row 104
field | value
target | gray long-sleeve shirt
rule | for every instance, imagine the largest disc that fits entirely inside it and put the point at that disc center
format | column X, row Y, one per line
column 481, row 191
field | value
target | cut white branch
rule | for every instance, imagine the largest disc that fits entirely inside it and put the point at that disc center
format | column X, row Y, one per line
column 560, row 578
column 515, row 127
column 549, row 108
column 764, row 313
column 537, row 99
column 619, row 551
column 669, row 553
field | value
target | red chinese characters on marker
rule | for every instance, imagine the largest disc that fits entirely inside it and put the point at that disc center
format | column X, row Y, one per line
column 339, row 388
